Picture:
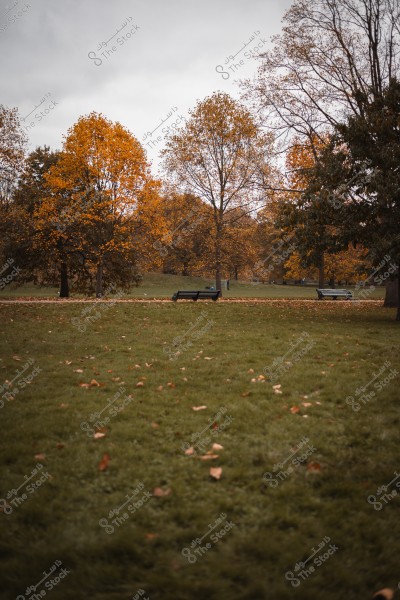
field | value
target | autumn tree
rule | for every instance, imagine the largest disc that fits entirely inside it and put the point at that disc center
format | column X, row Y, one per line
column 220, row 156
column 350, row 265
column 99, row 191
column 35, row 263
column 12, row 154
column 240, row 249
column 185, row 246
column 332, row 61
column 332, row 58
column 374, row 140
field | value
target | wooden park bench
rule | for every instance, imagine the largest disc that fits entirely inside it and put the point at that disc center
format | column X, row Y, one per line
column 334, row 294
column 196, row 295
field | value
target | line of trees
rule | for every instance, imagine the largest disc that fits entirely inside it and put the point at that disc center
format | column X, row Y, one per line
column 326, row 96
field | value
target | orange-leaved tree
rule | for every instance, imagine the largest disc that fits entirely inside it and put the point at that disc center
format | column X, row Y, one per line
column 221, row 156
column 100, row 194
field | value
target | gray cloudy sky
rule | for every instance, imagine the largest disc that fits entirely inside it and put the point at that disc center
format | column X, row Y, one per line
column 61, row 60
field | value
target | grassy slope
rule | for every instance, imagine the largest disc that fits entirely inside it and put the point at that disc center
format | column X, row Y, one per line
column 274, row 527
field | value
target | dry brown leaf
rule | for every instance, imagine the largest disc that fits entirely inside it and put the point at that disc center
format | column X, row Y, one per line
column 103, row 464
column 140, row 384
column 190, row 451
column 94, row 383
column 245, row 394
column 170, row 384
column 84, row 385
column 209, row 456
column 197, row 408
column 98, row 435
column 78, row 370
column 151, row 536
column 15, row 357
column 155, row 425
column 294, row 410
column 159, row 492
column 306, row 404
column 160, row 388
column 207, row 358
column 60, row 445
column 277, row 386
column 250, row 371
column 40, row 456
column 314, row 467
column 216, row 472
column 217, row 447
column 384, row 594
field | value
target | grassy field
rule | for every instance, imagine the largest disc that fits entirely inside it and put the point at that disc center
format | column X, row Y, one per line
column 156, row 285
column 122, row 504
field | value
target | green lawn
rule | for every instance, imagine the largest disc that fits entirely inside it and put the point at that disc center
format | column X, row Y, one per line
column 332, row 458
column 156, row 285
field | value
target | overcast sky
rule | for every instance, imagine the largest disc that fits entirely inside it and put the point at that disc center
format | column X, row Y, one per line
column 138, row 62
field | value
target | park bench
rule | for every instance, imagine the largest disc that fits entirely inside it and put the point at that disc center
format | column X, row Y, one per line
column 334, row 294
column 196, row 295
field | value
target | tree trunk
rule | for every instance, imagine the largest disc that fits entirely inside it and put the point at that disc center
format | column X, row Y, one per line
column 99, row 280
column 392, row 293
column 185, row 270
column 64, row 286
column 321, row 281
column 236, row 274
column 398, row 294
column 218, row 255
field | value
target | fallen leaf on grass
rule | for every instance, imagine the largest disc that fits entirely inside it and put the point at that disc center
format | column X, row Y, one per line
column 385, row 594
column 277, row 386
column 216, row 472
column 40, row 457
column 98, row 435
column 160, row 388
column 197, row 408
column 314, row 467
column 245, row 394
column 151, row 536
column 250, row 371
column 207, row 358
column 140, row 384
column 190, row 451
column 15, row 357
column 209, row 456
column 294, row 410
column 217, row 447
column 160, row 492
column 170, row 384
column 78, row 370
column 95, row 383
column 103, row 464
column 155, row 425
column 60, row 445
column 306, row 404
